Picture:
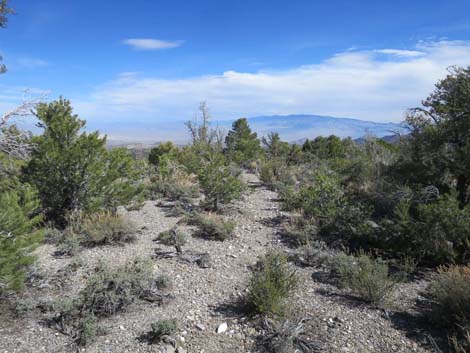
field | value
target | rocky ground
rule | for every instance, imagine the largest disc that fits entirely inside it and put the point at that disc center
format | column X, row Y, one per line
column 203, row 299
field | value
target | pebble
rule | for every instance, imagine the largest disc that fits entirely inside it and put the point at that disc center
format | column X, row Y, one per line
column 222, row 328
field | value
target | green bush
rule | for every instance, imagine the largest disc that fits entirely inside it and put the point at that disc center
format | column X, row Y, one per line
column 435, row 233
column 449, row 292
column 87, row 330
column 19, row 236
column 164, row 150
column 212, row 227
column 320, row 200
column 73, row 170
column 219, row 182
column 368, row 278
column 271, row 283
column 352, row 226
column 161, row 328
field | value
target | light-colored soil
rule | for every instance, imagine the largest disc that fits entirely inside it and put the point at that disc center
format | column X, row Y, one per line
column 206, row 297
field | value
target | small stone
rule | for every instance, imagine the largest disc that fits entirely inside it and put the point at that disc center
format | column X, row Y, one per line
column 121, row 328
column 200, row 327
column 222, row 328
column 167, row 349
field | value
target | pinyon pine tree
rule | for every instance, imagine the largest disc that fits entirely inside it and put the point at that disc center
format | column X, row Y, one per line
column 242, row 144
column 73, row 170
column 19, row 235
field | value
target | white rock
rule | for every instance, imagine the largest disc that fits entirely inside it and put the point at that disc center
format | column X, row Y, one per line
column 222, row 328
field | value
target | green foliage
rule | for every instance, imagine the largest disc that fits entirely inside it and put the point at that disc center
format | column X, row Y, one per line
column 212, row 227
column 5, row 10
column 19, row 236
column 87, row 330
column 435, row 233
column 205, row 158
column 271, row 283
column 275, row 148
column 330, row 147
column 74, row 171
column 449, row 293
column 161, row 328
column 437, row 151
column 369, row 278
column 219, row 182
column 320, row 199
column 242, row 145
column 351, row 226
column 163, row 151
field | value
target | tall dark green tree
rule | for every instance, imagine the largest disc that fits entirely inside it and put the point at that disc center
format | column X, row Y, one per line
column 438, row 149
column 73, row 170
column 242, row 145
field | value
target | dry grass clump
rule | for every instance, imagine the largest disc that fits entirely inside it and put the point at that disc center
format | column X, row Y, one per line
column 212, row 226
column 299, row 231
column 449, row 292
column 101, row 228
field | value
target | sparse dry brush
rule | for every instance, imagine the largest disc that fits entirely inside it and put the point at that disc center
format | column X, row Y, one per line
column 107, row 292
column 101, row 228
column 212, row 226
column 367, row 277
column 449, row 293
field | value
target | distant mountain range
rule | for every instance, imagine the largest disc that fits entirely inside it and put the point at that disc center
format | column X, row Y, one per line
column 295, row 127
column 292, row 128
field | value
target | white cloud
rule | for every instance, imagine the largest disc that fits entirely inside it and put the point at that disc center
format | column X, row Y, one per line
column 151, row 44
column 401, row 53
column 360, row 84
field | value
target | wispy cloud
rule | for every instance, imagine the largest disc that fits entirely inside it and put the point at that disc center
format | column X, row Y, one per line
column 401, row 53
column 151, row 43
column 363, row 84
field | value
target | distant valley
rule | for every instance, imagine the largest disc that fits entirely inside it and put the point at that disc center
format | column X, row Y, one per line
column 292, row 128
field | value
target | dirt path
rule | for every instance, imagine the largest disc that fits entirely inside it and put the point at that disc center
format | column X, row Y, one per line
column 203, row 297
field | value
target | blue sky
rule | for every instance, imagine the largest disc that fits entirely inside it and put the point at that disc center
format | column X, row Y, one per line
column 147, row 62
